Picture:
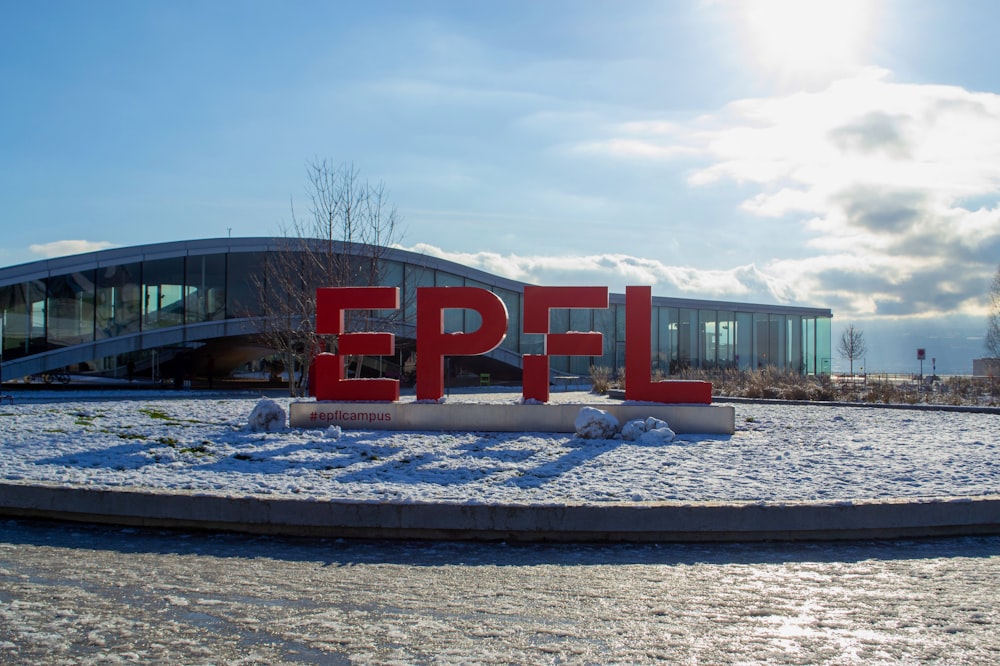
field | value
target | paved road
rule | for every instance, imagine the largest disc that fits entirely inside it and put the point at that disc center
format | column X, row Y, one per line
column 79, row 594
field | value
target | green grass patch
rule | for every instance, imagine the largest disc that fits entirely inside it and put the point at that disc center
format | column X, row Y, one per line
column 155, row 413
column 160, row 415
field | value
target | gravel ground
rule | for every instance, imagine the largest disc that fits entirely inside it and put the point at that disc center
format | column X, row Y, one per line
column 99, row 595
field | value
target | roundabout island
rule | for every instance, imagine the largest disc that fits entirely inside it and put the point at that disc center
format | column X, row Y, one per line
column 786, row 472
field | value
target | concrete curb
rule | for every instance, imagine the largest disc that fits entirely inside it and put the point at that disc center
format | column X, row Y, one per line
column 640, row 522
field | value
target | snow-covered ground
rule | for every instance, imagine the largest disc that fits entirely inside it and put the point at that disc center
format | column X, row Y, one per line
column 202, row 442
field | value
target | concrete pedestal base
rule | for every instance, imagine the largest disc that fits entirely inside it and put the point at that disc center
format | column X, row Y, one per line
column 682, row 419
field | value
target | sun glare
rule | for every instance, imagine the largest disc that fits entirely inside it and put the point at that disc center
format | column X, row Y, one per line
column 805, row 38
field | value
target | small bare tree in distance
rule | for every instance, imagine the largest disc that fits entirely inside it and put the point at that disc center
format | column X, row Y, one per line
column 993, row 320
column 852, row 345
column 343, row 241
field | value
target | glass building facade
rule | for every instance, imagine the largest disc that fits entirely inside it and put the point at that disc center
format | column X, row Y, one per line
column 78, row 302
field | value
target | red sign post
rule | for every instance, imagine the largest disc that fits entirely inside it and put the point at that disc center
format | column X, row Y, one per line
column 433, row 343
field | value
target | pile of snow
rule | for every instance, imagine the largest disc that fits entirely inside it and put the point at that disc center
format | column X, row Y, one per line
column 648, row 431
column 267, row 416
column 594, row 423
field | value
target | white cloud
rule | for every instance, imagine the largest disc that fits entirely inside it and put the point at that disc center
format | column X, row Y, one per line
column 64, row 248
column 879, row 174
column 743, row 283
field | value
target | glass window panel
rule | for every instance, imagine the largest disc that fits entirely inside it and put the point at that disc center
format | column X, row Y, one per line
column 809, row 344
column 392, row 274
column 119, row 300
column 762, row 339
column 559, row 363
column 285, row 278
column 388, row 274
column 8, row 322
column 23, row 309
column 36, row 299
column 661, row 339
column 163, row 293
column 793, row 340
column 16, row 320
column 687, row 338
column 823, row 334
column 71, row 309
column 727, row 331
column 246, row 284
column 776, row 348
column 604, row 323
column 559, row 320
column 476, row 283
column 581, row 319
column 618, row 311
column 579, row 365
column 454, row 320
column 744, row 341
column 416, row 277
column 708, row 339
column 205, row 288
column 443, row 279
column 671, row 345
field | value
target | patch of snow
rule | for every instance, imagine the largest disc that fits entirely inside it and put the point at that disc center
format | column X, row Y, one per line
column 650, row 430
column 267, row 415
column 200, row 442
column 594, row 423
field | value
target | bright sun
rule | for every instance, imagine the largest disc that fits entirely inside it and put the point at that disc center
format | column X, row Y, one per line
column 803, row 38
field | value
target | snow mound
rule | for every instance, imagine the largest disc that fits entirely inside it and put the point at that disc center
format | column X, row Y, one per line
column 333, row 432
column 650, row 430
column 268, row 416
column 593, row 423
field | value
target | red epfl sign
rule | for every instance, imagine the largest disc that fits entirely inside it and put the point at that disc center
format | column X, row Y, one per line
column 434, row 344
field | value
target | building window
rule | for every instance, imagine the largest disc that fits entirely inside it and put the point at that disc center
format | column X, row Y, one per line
column 71, row 309
column 119, row 301
column 23, row 317
column 163, row 293
column 205, row 288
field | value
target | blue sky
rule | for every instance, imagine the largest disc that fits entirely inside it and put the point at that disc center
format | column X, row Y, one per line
column 842, row 155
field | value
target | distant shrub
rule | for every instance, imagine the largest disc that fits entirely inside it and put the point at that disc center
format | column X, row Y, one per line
column 602, row 377
column 774, row 383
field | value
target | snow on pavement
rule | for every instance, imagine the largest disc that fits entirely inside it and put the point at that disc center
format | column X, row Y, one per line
column 202, row 442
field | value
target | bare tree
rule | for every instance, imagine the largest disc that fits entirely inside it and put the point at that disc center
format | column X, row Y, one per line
column 993, row 320
column 852, row 345
column 342, row 241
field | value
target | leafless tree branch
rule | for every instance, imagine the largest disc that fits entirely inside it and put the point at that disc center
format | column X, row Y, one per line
column 343, row 241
